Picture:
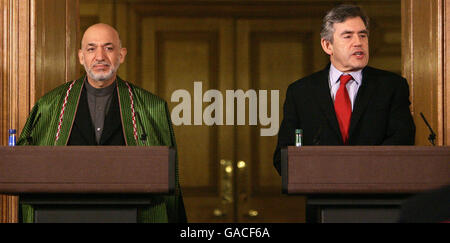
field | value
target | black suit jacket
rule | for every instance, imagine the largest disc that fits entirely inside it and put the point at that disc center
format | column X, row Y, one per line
column 83, row 132
column 380, row 116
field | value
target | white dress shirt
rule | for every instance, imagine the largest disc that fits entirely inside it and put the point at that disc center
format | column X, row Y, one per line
column 352, row 86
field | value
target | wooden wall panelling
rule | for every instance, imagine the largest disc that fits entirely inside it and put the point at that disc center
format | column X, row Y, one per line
column 135, row 52
column 446, row 72
column 122, row 24
column 16, row 80
column 39, row 53
column 422, row 52
column 73, row 40
column 56, row 43
column 148, row 55
column 4, row 92
column 50, row 50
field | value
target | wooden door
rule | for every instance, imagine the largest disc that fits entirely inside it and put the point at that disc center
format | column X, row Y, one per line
column 271, row 55
column 226, row 171
column 185, row 59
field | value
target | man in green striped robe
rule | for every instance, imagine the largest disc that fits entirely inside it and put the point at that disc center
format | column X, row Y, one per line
column 102, row 109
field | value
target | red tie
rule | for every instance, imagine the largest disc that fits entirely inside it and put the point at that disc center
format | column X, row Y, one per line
column 343, row 107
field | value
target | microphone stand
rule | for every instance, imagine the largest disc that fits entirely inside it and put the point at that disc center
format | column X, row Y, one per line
column 432, row 136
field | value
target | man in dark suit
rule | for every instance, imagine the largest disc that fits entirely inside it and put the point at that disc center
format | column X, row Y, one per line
column 371, row 107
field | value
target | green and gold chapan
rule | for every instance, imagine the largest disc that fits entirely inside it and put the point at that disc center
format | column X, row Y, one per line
column 51, row 119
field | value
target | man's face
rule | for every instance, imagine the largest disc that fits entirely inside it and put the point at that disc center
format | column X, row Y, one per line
column 349, row 50
column 101, row 54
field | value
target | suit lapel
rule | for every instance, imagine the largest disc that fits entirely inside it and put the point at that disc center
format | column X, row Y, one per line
column 326, row 103
column 72, row 93
column 363, row 96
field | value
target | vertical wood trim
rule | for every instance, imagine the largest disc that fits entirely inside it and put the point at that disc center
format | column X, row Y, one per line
column 13, row 65
column 4, row 30
column 32, row 91
column 23, row 64
column 446, row 64
column 4, row 85
column 121, row 24
column 439, row 11
column 4, row 91
column 19, row 79
column 407, row 44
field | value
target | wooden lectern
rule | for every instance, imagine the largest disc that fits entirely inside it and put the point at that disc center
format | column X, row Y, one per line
column 86, row 183
column 361, row 183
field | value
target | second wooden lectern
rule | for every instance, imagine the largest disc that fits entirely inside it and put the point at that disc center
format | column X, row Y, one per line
column 86, row 183
column 361, row 184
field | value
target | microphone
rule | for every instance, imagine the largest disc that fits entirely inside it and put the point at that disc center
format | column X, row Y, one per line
column 432, row 136
column 144, row 135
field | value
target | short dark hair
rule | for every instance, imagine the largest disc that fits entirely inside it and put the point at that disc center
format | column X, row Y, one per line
column 340, row 14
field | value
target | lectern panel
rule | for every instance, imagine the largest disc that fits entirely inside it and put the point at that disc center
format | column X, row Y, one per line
column 86, row 169
column 361, row 169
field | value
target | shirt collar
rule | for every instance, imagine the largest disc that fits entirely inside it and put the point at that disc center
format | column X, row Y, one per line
column 101, row 91
column 335, row 74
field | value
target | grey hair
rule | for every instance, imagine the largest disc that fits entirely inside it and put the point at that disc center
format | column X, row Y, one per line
column 340, row 14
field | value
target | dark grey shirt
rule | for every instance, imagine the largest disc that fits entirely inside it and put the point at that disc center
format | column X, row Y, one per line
column 99, row 101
